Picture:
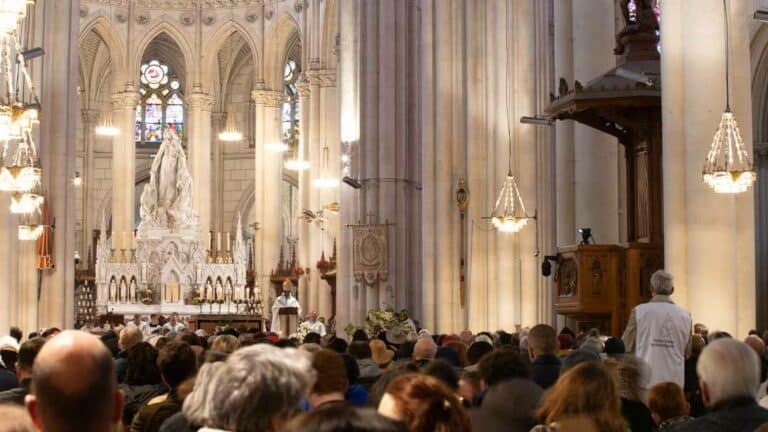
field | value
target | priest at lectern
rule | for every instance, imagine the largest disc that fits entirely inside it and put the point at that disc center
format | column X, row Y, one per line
column 286, row 300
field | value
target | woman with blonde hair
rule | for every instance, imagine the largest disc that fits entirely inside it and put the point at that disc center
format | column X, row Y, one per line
column 586, row 391
column 226, row 344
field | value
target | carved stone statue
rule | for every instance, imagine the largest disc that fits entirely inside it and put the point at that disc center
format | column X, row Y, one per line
column 166, row 201
column 219, row 290
column 123, row 290
column 112, row 290
column 228, row 292
column 208, row 290
column 132, row 290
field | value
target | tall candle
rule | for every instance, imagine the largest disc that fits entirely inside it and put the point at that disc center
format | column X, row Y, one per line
column 210, row 241
column 126, row 245
column 218, row 241
column 229, row 242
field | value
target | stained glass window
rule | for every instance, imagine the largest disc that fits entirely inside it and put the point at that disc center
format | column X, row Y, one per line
column 290, row 108
column 162, row 104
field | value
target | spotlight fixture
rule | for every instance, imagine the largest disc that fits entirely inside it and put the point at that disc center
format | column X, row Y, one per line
column 586, row 236
column 536, row 120
column 32, row 53
column 546, row 266
column 761, row 15
column 77, row 180
column 354, row 183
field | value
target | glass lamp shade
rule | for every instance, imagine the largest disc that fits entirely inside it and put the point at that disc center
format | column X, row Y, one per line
column 107, row 130
column 19, row 179
column 728, row 167
column 297, row 165
column 276, row 147
column 230, row 136
column 25, row 203
column 509, row 212
column 325, row 182
column 30, row 232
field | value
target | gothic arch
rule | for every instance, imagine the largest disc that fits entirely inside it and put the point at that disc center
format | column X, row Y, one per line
column 191, row 69
column 245, row 205
column 210, row 58
column 281, row 34
column 103, row 28
column 759, row 55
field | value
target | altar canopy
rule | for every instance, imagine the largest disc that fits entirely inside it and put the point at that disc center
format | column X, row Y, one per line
column 165, row 266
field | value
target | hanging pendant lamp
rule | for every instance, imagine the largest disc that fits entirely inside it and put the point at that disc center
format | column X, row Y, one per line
column 230, row 133
column 509, row 215
column 728, row 167
column 325, row 181
column 107, row 128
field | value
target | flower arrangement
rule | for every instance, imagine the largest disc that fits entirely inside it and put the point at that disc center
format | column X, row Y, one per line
column 302, row 331
column 387, row 319
column 197, row 298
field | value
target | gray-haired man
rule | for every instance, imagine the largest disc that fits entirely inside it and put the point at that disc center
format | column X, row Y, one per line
column 659, row 332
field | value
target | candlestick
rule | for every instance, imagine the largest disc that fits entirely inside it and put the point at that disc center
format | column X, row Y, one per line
column 126, row 245
column 210, row 240
column 218, row 242
column 229, row 242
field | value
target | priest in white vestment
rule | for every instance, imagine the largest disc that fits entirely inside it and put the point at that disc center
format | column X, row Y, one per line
column 314, row 325
column 285, row 300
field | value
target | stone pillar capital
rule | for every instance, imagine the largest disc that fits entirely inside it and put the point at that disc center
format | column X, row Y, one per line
column 303, row 86
column 200, row 102
column 125, row 99
column 322, row 77
column 269, row 98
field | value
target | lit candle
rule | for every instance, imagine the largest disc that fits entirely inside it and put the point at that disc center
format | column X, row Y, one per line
column 218, row 241
column 210, row 241
column 229, row 242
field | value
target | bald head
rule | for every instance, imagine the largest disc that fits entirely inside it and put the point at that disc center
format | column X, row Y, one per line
column 129, row 337
column 74, row 370
column 425, row 349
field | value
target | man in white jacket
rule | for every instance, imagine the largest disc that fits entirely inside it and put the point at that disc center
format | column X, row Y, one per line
column 659, row 333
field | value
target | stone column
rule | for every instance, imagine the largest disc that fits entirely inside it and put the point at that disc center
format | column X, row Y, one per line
column 564, row 176
column 218, row 120
column 199, row 144
column 89, row 119
column 347, row 300
column 9, row 240
column 268, row 183
column 58, row 135
column 123, row 165
column 709, row 238
column 305, row 184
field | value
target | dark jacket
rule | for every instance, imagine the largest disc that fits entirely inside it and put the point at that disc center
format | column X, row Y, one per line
column 8, row 379
column 637, row 415
column 151, row 417
column 178, row 423
column 737, row 415
column 136, row 396
column 121, row 365
column 16, row 395
column 545, row 370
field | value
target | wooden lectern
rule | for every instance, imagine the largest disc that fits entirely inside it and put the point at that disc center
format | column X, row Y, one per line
column 289, row 320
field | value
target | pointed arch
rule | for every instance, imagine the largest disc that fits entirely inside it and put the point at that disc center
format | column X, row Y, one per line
column 105, row 30
column 210, row 58
column 177, row 36
column 281, row 33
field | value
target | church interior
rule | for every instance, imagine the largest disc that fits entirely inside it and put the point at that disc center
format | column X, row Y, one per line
column 479, row 165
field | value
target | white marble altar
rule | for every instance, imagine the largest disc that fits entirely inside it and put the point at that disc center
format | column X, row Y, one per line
column 166, row 267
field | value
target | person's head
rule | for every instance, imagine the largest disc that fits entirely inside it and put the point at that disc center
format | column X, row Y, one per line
column 72, row 371
column 174, row 318
column 141, row 365
column 137, row 319
column 756, row 343
column 667, row 401
column 27, row 353
column 50, row 332
column 425, row 349
column 177, row 362
column 16, row 334
column 542, row 340
column 380, row 354
column 476, row 351
column 197, row 405
column 225, row 344
column 701, row 329
column 565, row 341
column 338, row 344
column 259, row 388
column 360, row 350
column 331, row 375
column 614, row 347
column 342, row 417
column 312, row 316
column 661, row 283
column 360, row 335
column 129, row 337
column 508, row 406
column 15, row 419
column 443, row 371
column 588, row 389
column 502, row 365
column 727, row 369
column 629, row 371
column 312, row 338
column 579, row 356
column 424, row 404
column 461, row 350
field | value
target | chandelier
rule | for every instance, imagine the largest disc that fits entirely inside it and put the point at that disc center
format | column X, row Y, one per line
column 11, row 13
column 728, row 167
column 325, row 181
column 230, row 133
column 107, row 128
column 30, row 232
column 25, row 203
column 509, row 215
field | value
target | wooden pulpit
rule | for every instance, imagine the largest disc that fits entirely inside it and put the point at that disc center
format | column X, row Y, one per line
column 289, row 320
column 598, row 285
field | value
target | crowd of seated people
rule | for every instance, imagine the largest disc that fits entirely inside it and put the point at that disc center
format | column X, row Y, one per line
column 243, row 380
